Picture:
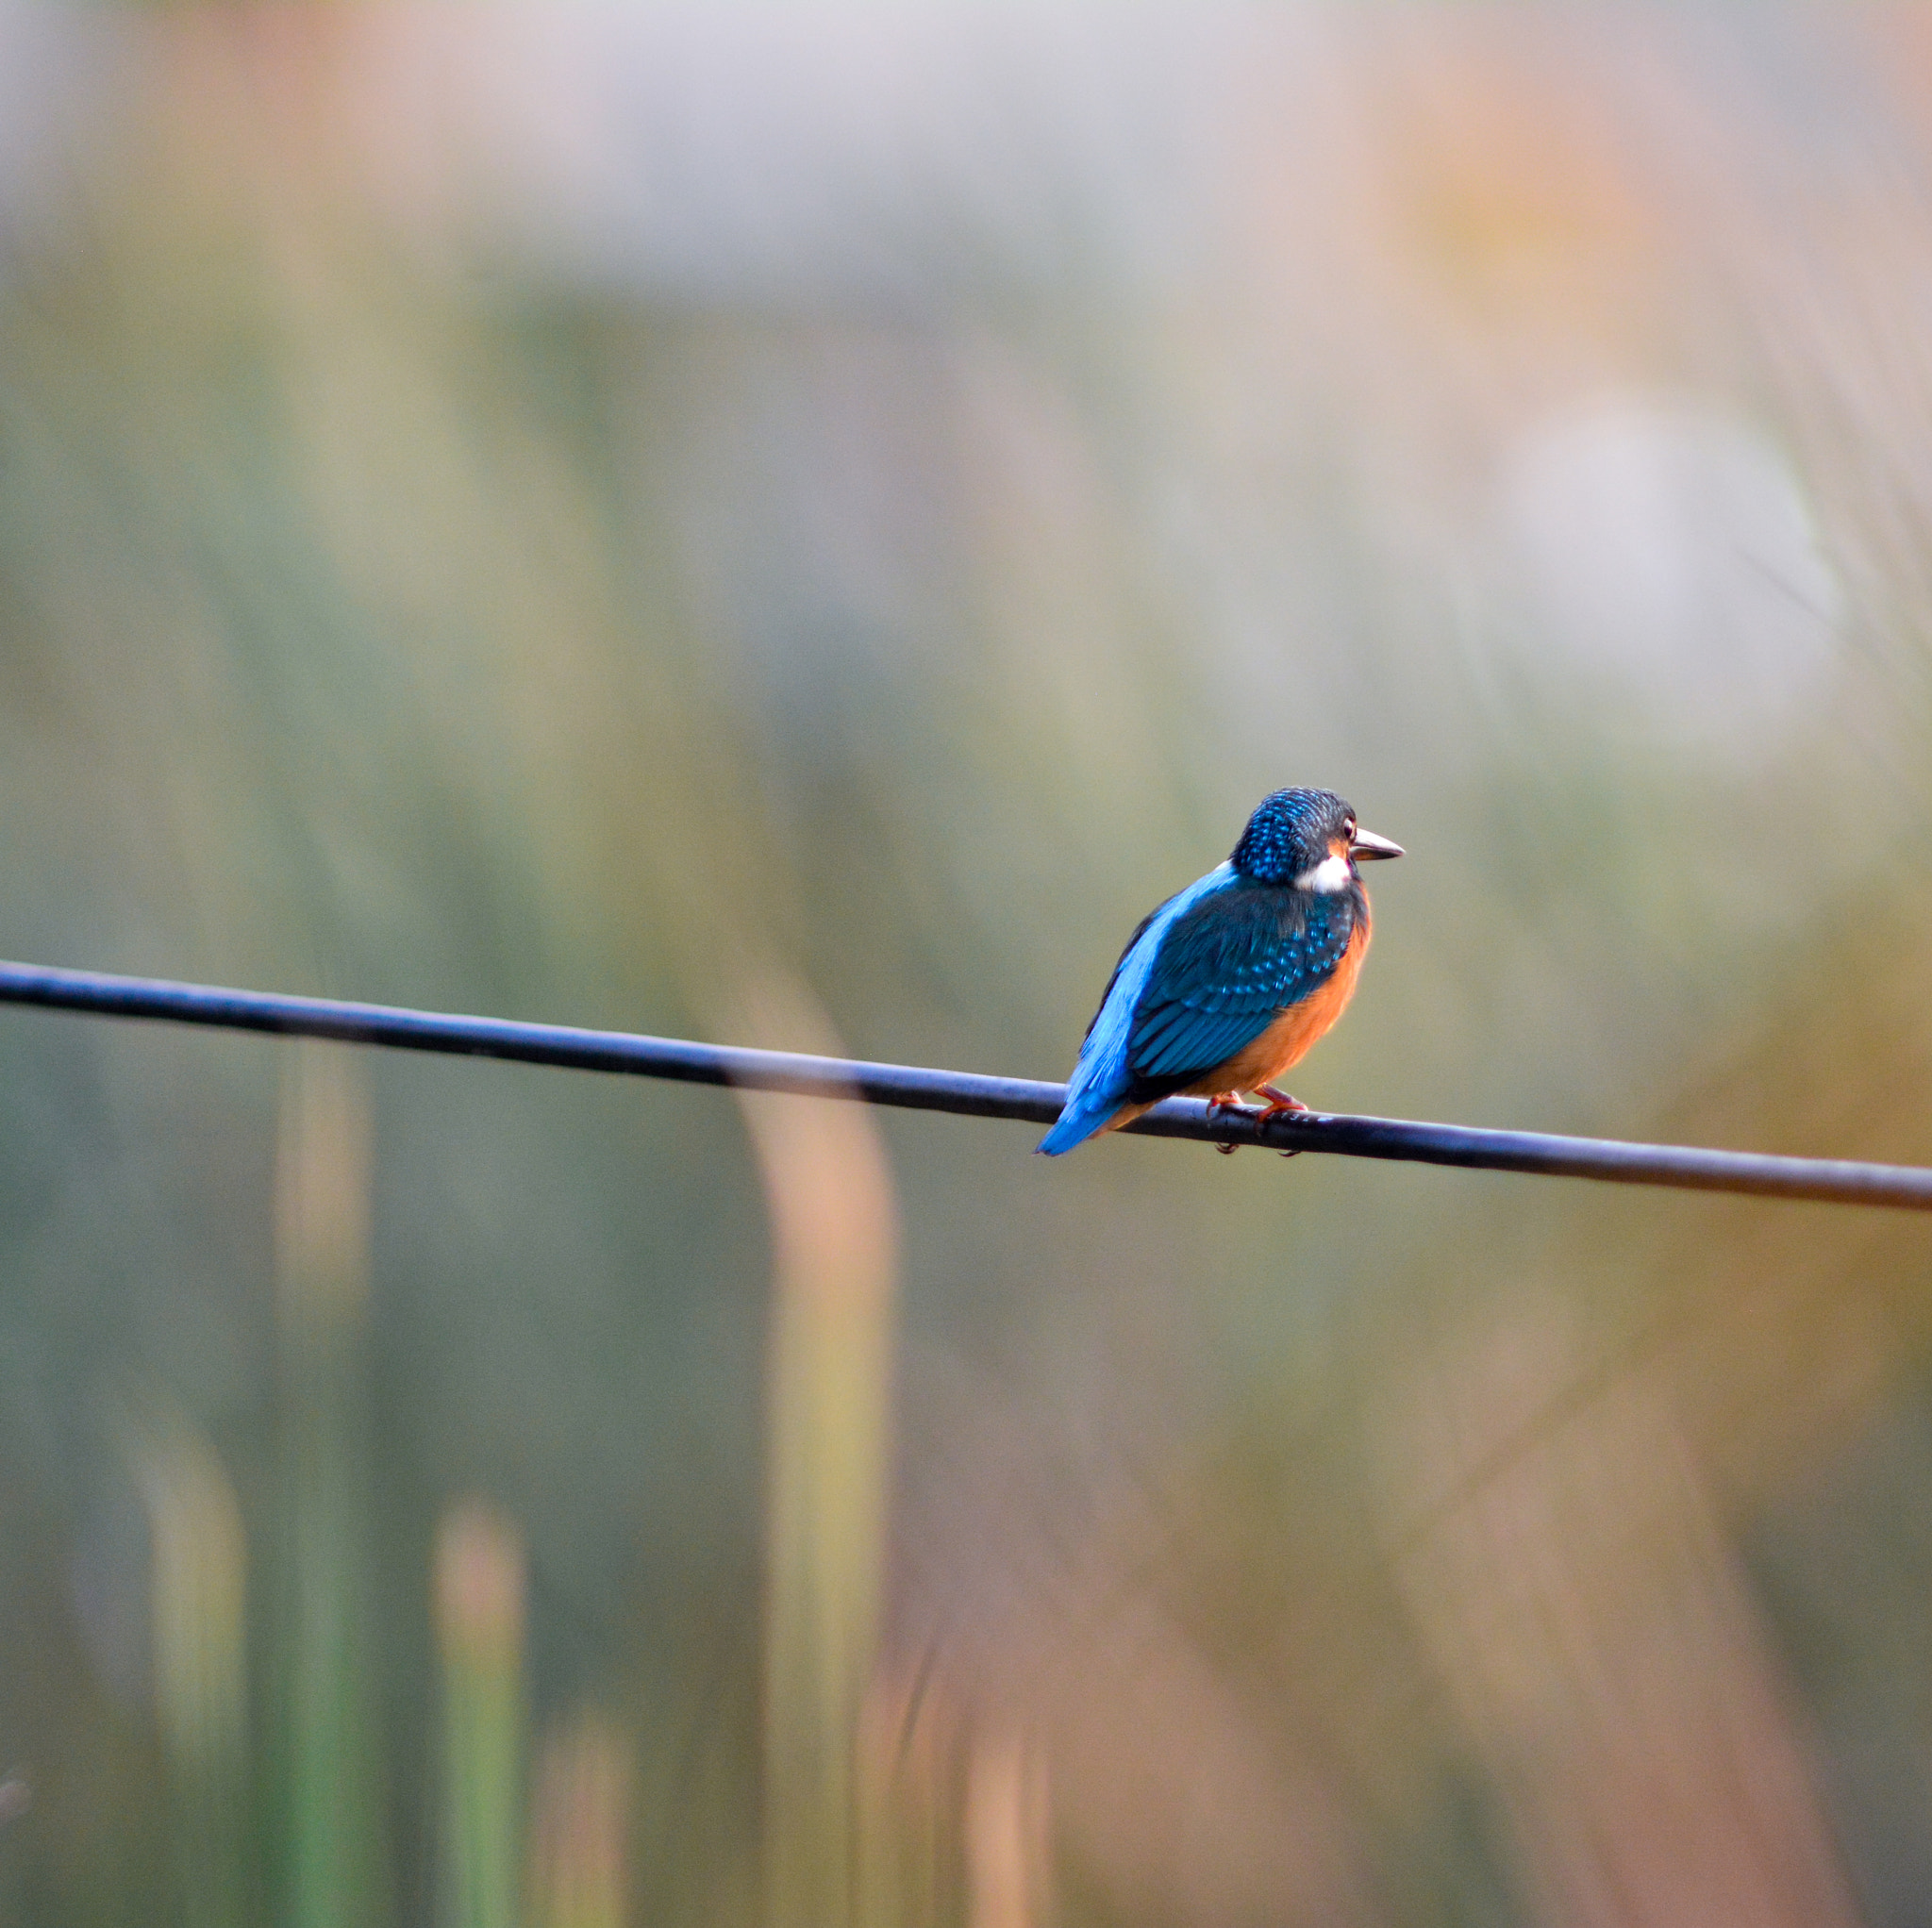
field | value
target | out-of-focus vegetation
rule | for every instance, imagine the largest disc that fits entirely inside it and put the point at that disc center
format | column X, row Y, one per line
column 808, row 526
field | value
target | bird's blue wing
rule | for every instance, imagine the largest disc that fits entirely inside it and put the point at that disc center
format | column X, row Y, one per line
column 1225, row 967
column 1098, row 1088
column 1200, row 980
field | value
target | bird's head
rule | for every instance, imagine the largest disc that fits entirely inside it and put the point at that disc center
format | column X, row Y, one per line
column 1308, row 838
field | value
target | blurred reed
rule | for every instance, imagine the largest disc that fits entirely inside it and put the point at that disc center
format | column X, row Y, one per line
column 334, row 1852
column 829, row 1375
column 198, row 1597
column 917, row 1753
column 1601, row 1651
column 580, row 1823
column 478, row 1588
column 1006, row 1829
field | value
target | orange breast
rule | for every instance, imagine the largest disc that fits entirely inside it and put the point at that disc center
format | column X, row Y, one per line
column 1296, row 1032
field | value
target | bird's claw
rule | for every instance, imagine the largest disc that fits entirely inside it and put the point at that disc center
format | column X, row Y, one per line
column 1280, row 1105
column 1227, row 1102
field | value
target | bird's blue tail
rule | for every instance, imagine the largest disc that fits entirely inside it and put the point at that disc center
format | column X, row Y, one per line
column 1075, row 1124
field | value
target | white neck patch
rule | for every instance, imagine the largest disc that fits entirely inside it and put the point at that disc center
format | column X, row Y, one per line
column 1329, row 875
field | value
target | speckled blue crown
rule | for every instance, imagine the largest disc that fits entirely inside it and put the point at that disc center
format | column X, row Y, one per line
column 1290, row 833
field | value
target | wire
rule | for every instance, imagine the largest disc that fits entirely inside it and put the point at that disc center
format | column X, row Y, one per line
column 969, row 1094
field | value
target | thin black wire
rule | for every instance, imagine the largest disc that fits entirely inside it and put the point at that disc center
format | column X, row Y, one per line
column 1690, row 1167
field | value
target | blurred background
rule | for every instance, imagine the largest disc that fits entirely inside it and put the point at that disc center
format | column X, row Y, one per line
column 800, row 525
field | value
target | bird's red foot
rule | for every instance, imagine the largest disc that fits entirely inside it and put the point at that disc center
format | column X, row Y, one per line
column 1279, row 1103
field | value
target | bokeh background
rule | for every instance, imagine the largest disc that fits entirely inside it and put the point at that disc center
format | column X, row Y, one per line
column 800, row 525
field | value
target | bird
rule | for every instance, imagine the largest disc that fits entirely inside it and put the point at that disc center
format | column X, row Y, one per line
column 1226, row 986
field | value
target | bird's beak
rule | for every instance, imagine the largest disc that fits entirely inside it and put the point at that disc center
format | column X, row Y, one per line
column 1367, row 847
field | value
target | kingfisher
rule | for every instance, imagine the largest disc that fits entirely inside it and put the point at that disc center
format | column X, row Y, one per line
column 1228, row 986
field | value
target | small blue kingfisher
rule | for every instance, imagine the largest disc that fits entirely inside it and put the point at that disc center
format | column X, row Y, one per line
column 1228, row 986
